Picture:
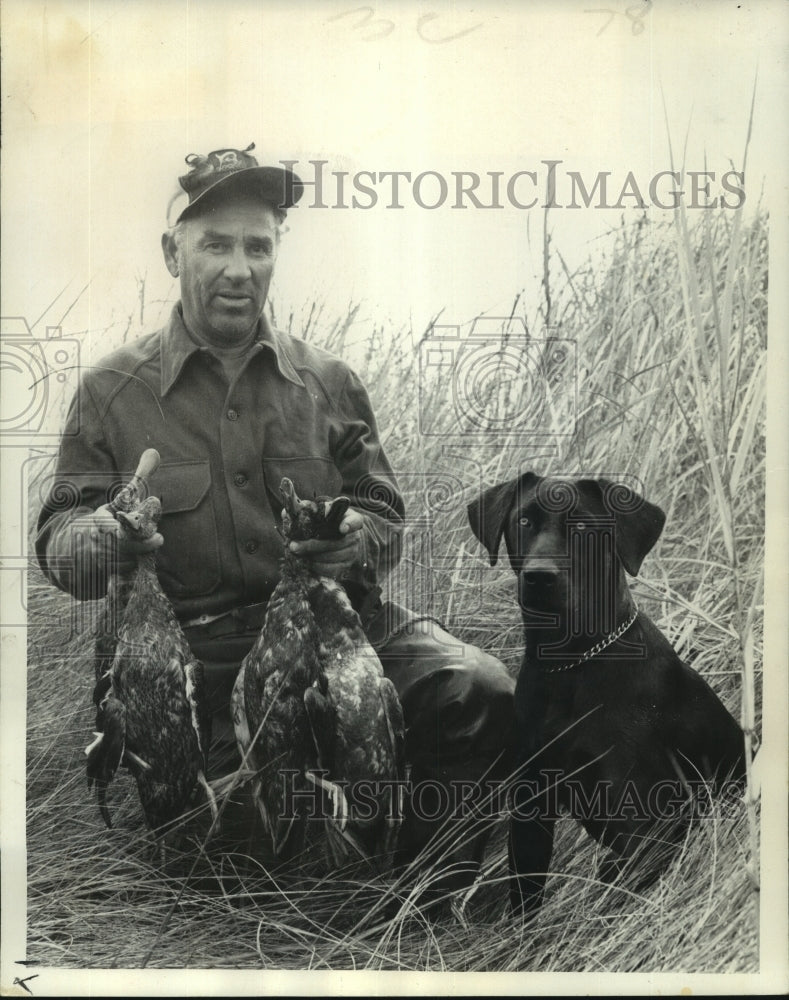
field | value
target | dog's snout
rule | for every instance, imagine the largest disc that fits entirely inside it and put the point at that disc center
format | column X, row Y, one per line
column 542, row 573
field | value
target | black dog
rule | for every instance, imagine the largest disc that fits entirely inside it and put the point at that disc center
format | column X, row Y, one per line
column 616, row 730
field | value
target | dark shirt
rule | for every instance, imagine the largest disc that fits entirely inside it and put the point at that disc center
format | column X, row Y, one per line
column 292, row 410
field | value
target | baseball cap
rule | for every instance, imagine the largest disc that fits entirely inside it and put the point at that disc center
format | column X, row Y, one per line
column 224, row 172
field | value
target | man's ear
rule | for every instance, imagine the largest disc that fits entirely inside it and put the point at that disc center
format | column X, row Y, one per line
column 170, row 251
column 638, row 522
column 488, row 513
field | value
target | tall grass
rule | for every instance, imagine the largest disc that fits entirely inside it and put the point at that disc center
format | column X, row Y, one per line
column 669, row 325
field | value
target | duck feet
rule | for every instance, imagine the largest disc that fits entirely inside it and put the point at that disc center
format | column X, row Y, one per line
column 337, row 797
column 209, row 793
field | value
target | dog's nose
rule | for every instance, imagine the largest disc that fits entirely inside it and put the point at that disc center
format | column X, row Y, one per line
column 537, row 578
column 539, row 574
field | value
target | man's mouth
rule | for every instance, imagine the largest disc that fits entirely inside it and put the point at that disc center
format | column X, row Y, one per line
column 234, row 298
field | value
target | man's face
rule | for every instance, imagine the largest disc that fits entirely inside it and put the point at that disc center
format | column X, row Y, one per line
column 225, row 261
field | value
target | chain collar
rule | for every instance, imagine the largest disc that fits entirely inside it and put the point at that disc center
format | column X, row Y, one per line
column 598, row 646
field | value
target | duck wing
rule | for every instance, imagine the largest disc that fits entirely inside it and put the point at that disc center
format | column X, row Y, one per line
column 322, row 719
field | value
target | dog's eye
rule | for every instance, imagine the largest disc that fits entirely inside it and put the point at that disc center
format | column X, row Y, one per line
column 524, row 522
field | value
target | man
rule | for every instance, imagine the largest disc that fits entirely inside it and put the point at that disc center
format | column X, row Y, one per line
column 233, row 405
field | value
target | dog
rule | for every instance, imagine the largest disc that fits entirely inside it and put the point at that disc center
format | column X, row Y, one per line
column 615, row 729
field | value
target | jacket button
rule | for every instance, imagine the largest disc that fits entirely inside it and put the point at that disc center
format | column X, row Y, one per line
column 240, row 479
column 232, row 414
column 252, row 546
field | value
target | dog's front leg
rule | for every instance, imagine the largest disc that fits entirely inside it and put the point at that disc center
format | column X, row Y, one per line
column 530, row 848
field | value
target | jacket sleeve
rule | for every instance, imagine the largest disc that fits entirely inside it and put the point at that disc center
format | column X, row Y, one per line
column 370, row 483
column 71, row 557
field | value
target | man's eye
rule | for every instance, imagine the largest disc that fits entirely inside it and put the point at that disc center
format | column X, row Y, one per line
column 215, row 247
column 260, row 250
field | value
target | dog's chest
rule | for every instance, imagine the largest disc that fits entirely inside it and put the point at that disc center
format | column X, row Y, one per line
column 558, row 713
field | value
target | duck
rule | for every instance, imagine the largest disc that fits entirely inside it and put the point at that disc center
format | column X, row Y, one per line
column 311, row 705
column 152, row 714
column 269, row 701
column 364, row 751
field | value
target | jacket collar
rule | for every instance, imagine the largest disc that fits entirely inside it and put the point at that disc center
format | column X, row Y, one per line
column 177, row 347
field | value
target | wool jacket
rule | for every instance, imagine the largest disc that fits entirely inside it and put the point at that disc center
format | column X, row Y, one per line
column 291, row 410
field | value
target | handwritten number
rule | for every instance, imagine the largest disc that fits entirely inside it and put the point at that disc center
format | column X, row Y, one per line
column 635, row 14
column 387, row 26
column 636, row 20
column 425, row 18
column 598, row 10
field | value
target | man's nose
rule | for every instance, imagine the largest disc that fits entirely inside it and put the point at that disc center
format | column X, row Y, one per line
column 237, row 267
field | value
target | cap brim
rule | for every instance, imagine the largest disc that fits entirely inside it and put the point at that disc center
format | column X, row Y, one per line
column 273, row 186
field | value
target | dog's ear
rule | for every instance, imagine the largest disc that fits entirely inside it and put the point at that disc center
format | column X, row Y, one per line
column 638, row 522
column 488, row 513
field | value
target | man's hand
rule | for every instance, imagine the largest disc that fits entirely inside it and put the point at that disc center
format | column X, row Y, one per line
column 333, row 558
column 100, row 526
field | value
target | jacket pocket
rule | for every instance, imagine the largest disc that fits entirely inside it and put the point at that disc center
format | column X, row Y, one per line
column 188, row 563
column 310, row 476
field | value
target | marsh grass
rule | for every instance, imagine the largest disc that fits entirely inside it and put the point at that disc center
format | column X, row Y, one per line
column 669, row 325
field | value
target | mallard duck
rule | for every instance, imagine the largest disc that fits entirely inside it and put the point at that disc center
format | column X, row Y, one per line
column 311, row 704
column 364, row 751
column 152, row 716
column 270, row 717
